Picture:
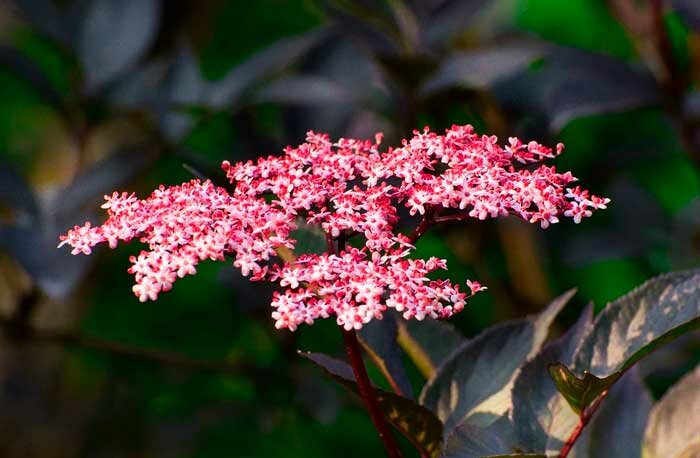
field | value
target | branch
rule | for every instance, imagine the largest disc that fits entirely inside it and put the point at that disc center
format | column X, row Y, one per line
column 675, row 83
column 584, row 419
column 368, row 394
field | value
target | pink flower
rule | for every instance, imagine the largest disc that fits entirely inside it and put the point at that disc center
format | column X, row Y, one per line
column 346, row 188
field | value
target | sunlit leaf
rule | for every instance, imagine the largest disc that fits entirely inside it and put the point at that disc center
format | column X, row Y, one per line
column 495, row 440
column 477, row 377
column 672, row 431
column 633, row 325
column 542, row 419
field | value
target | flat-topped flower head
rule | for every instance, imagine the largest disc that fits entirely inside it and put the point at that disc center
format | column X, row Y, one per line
column 350, row 189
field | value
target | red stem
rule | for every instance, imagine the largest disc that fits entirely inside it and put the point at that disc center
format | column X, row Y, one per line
column 585, row 417
column 427, row 221
column 368, row 395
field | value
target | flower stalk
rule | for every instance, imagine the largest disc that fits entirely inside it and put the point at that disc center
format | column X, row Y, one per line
column 368, row 394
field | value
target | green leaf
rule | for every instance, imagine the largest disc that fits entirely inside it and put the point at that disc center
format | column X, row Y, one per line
column 672, row 431
column 580, row 392
column 541, row 417
column 428, row 343
column 378, row 337
column 478, row 377
column 618, row 427
column 417, row 423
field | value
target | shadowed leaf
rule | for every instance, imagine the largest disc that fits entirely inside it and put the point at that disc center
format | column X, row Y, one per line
column 31, row 73
column 428, row 342
column 303, row 90
column 225, row 93
column 618, row 427
column 689, row 10
column 571, row 84
column 417, row 423
column 114, row 35
column 104, row 177
column 15, row 191
column 480, row 68
column 378, row 337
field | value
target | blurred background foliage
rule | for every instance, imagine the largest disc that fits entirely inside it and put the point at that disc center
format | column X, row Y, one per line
column 97, row 95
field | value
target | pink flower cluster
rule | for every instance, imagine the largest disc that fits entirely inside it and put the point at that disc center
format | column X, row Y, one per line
column 350, row 190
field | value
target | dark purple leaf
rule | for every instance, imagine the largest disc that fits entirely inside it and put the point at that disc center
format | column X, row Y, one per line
column 113, row 36
column 480, row 68
column 15, row 191
column 572, row 83
column 379, row 339
column 689, row 10
column 451, row 17
column 304, row 90
column 107, row 175
column 31, row 73
column 280, row 55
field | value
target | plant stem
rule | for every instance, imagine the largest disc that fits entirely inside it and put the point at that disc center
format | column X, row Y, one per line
column 584, row 418
column 368, row 395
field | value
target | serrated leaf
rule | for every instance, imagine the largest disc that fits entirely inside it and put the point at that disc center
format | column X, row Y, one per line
column 580, row 392
column 672, row 431
column 428, row 342
column 417, row 423
column 627, row 329
column 632, row 326
column 482, row 371
column 378, row 337
column 114, row 35
column 541, row 417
